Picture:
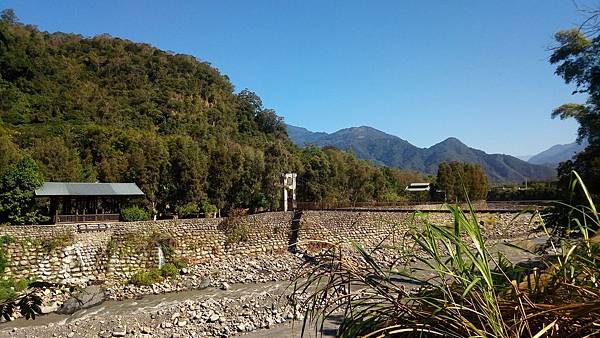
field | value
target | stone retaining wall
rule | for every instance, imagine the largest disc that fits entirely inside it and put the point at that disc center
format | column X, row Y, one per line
column 65, row 254
column 366, row 228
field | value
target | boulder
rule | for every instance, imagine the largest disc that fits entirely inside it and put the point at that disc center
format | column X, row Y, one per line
column 88, row 297
column 206, row 281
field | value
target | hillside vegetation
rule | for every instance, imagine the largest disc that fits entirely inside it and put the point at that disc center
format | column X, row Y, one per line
column 111, row 110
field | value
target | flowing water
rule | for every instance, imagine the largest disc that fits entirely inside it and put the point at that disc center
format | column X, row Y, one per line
column 161, row 256
column 79, row 256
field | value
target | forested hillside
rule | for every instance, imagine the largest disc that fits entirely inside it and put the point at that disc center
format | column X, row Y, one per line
column 111, row 110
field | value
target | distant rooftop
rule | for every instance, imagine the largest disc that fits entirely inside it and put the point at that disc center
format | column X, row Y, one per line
column 418, row 187
column 88, row 189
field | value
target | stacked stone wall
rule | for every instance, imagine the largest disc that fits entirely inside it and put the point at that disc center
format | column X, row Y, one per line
column 66, row 254
column 73, row 254
column 366, row 228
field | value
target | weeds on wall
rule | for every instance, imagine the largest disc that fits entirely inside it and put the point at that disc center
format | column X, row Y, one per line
column 56, row 242
column 457, row 288
column 154, row 275
column 235, row 227
column 20, row 295
column 4, row 241
column 163, row 240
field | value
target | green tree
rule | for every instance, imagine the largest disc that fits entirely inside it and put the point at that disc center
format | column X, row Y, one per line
column 576, row 58
column 17, row 186
column 316, row 175
column 57, row 161
column 148, row 159
column 9, row 153
column 454, row 178
column 188, row 171
column 9, row 16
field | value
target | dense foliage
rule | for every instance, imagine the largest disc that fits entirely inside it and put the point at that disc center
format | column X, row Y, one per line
column 133, row 214
column 330, row 175
column 110, row 110
column 18, row 182
column 536, row 190
column 454, row 178
column 577, row 57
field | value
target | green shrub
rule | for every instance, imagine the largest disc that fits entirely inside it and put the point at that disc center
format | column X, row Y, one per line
column 209, row 209
column 154, row 274
column 59, row 241
column 187, row 210
column 6, row 239
column 146, row 277
column 6, row 290
column 169, row 270
column 3, row 261
column 236, row 227
column 132, row 214
column 179, row 262
column 21, row 284
column 9, row 288
column 166, row 242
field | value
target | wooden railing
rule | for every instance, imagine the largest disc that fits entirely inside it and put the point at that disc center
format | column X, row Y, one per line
column 86, row 218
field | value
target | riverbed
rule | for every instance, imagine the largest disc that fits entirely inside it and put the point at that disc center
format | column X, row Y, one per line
column 250, row 309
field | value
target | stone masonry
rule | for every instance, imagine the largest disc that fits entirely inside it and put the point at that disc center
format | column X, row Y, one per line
column 70, row 254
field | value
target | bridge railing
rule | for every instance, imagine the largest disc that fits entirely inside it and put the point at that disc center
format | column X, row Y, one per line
column 482, row 205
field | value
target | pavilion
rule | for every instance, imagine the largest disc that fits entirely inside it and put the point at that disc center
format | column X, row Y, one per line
column 87, row 202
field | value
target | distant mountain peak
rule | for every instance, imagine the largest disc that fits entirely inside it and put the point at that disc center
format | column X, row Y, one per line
column 452, row 140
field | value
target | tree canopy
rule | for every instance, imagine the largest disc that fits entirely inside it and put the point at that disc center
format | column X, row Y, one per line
column 18, row 182
column 577, row 60
column 454, row 178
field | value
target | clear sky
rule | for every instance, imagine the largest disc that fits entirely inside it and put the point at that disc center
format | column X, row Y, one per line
column 421, row 70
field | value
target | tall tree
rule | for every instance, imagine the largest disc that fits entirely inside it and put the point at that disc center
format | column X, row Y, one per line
column 17, row 186
column 9, row 153
column 577, row 60
column 455, row 178
column 58, row 161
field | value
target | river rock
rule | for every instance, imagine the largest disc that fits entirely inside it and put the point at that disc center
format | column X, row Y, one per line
column 205, row 283
column 88, row 297
column 49, row 308
column 119, row 331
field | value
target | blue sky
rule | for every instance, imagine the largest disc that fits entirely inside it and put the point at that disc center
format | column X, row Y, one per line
column 421, row 70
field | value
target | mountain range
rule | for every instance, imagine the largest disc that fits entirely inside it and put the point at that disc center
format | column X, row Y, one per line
column 558, row 153
column 389, row 150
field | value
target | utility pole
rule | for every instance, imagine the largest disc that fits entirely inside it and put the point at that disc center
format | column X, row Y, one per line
column 289, row 183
